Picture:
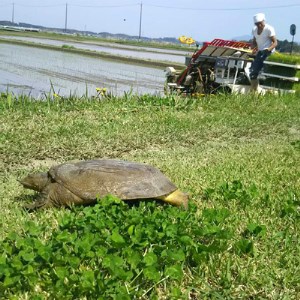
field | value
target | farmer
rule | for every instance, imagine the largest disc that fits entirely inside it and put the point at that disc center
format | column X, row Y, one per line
column 264, row 43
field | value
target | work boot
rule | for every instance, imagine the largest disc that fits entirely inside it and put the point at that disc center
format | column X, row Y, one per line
column 254, row 85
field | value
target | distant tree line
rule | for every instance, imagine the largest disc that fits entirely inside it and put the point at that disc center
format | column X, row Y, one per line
column 285, row 46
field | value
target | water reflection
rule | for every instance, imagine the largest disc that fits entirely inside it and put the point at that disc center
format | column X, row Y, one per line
column 27, row 70
column 123, row 50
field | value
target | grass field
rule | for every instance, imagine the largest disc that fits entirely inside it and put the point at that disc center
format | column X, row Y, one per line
column 238, row 157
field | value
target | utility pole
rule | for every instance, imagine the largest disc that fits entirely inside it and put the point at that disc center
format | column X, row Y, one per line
column 66, row 18
column 13, row 13
column 141, row 12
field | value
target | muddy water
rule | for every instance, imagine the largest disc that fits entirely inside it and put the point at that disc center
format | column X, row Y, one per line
column 27, row 70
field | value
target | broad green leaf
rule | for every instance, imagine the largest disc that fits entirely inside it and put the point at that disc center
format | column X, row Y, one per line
column 19, row 242
column 7, row 248
column 124, row 275
column 150, row 259
column 186, row 240
column 176, row 255
column 151, row 273
column 11, row 281
column 253, row 191
column 216, row 216
column 29, row 270
column 83, row 245
column 61, row 272
column 5, row 270
column 256, row 230
column 175, row 272
column 101, row 251
column 134, row 259
column 122, row 294
column 87, row 279
column 109, row 200
column 244, row 246
column 62, row 236
column 27, row 256
column 12, row 236
column 113, row 262
column 44, row 252
column 16, row 263
column 117, row 238
column 171, row 230
column 130, row 229
column 73, row 261
column 32, row 229
column 2, row 260
column 138, row 233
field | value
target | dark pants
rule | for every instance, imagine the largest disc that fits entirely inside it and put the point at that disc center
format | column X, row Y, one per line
column 258, row 63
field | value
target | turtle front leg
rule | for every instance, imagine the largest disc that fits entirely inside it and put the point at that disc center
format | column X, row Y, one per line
column 56, row 195
column 43, row 201
column 38, row 204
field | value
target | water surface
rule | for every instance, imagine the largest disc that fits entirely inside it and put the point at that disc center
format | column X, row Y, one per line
column 116, row 49
column 29, row 70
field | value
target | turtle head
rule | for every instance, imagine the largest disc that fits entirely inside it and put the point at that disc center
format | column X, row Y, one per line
column 36, row 181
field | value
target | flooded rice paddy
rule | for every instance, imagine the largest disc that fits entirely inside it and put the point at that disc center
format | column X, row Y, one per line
column 34, row 71
column 113, row 48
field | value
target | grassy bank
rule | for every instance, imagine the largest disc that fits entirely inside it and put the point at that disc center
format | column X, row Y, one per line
column 237, row 157
column 93, row 39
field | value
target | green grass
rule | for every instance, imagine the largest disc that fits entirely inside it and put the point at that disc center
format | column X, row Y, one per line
column 67, row 47
column 293, row 59
column 237, row 157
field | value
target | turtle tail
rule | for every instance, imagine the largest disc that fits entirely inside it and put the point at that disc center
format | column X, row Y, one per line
column 177, row 198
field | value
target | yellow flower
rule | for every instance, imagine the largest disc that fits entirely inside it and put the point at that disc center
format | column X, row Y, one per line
column 101, row 91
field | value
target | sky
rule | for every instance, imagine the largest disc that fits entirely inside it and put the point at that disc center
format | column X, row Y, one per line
column 201, row 20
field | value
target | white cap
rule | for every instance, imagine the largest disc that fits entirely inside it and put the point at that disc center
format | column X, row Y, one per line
column 259, row 18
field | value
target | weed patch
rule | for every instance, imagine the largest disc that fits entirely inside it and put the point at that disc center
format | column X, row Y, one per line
column 237, row 157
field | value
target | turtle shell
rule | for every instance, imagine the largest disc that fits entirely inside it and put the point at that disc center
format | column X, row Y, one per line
column 127, row 180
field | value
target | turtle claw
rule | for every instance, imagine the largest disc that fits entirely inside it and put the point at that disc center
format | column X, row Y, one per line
column 36, row 205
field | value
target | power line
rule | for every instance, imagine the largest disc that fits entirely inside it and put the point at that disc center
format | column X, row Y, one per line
column 75, row 5
column 45, row 5
column 226, row 9
column 159, row 6
column 105, row 6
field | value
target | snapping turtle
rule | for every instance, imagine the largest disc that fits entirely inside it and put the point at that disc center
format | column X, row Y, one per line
column 85, row 181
